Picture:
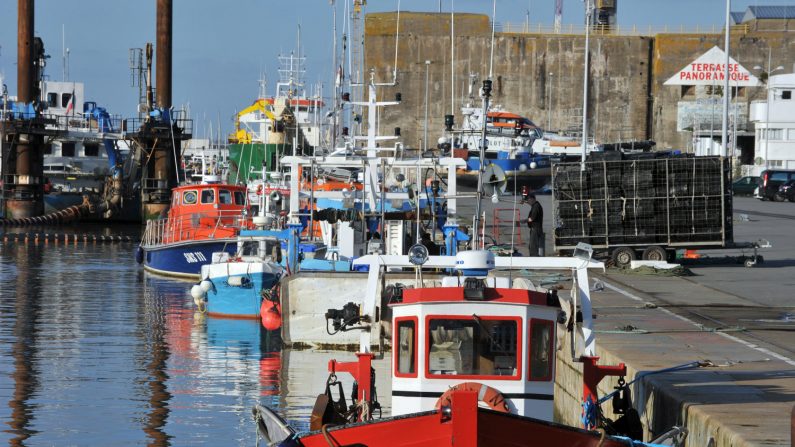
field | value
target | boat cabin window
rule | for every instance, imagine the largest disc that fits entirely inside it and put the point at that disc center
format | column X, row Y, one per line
column 52, row 100
column 91, row 150
column 474, row 346
column 272, row 248
column 224, row 197
column 175, row 200
column 65, row 99
column 240, row 198
column 189, row 197
column 208, row 196
column 67, row 149
column 406, row 347
column 541, row 357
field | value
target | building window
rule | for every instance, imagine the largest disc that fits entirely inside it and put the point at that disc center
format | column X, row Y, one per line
column 474, row 347
column 786, row 94
column 91, row 150
column 541, row 350
column 208, row 196
column 48, row 149
column 67, row 149
column 52, row 100
column 738, row 92
column 688, row 90
column 775, row 134
column 777, row 164
column 791, row 134
column 65, row 99
column 405, row 346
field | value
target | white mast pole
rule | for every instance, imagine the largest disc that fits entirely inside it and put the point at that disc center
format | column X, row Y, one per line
column 452, row 57
column 493, row 26
column 588, row 11
column 726, row 94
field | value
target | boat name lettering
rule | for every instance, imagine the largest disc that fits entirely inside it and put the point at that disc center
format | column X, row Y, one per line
column 195, row 257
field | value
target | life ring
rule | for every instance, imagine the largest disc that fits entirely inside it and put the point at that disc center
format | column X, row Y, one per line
column 486, row 394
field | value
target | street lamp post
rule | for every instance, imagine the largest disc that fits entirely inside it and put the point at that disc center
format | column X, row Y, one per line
column 425, row 137
column 768, row 98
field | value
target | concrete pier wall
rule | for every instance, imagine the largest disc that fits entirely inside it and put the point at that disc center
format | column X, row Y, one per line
column 541, row 75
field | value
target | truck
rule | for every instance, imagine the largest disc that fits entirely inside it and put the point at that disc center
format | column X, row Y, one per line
column 644, row 206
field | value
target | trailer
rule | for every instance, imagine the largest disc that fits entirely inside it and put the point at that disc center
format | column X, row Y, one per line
column 644, row 206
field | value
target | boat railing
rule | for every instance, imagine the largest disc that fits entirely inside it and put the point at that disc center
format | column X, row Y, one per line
column 193, row 226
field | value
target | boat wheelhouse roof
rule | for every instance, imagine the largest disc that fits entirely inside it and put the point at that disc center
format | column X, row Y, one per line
column 198, row 186
column 458, row 294
column 497, row 117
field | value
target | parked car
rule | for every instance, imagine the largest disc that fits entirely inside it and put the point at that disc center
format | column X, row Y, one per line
column 745, row 186
column 787, row 190
column 771, row 180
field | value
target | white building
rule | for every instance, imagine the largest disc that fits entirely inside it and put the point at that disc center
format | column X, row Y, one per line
column 774, row 122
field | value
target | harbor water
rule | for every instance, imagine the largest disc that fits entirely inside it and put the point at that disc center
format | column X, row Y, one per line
column 93, row 351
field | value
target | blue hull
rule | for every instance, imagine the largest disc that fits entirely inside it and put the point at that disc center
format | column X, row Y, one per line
column 185, row 259
column 239, row 301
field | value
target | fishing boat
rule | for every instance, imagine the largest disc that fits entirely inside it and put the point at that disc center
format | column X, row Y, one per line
column 203, row 219
column 243, row 284
column 473, row 360
column 509, row 139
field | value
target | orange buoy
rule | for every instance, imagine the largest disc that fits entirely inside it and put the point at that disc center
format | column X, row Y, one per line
column 691, row 254
column 486, row 394
column 271, row 314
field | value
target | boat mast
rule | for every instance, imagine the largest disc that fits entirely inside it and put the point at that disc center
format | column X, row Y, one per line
column 486, row 94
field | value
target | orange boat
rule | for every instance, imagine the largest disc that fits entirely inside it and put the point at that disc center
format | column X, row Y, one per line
column 203, row 219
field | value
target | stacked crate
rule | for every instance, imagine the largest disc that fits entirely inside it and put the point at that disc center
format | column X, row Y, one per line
column 641, row 200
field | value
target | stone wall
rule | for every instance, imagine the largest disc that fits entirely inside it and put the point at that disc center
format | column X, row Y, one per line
column 541, row 75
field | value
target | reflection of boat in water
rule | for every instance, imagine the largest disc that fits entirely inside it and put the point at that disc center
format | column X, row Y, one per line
column 243, row 349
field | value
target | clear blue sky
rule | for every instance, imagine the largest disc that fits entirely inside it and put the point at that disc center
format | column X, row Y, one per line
column 221, row 48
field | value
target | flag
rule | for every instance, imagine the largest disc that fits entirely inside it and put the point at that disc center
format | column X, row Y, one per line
column 70, row 107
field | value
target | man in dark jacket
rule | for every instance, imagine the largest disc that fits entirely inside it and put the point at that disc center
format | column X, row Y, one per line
column 535, row 222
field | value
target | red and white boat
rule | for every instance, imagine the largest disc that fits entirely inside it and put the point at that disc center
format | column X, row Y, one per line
column 473, row 359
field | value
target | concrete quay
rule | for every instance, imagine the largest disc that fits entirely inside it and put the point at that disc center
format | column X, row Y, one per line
column 740, row 319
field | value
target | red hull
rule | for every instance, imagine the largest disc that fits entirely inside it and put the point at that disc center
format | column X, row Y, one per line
column 466, row 426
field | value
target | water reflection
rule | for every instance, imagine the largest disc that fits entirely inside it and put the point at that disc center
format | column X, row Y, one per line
column 95, row 352
column 26, row 312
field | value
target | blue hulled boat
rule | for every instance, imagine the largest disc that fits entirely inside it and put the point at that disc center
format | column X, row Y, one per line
column 203, row 219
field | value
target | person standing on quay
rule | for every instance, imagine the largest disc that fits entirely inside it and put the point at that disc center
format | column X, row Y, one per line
column 535, row 221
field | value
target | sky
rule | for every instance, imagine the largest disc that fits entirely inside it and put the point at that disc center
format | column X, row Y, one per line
column 222, row 48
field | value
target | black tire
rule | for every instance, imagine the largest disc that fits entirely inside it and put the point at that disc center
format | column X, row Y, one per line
column 655, row 253
column 778, row 197
column 623, row 256
column 749, row 262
